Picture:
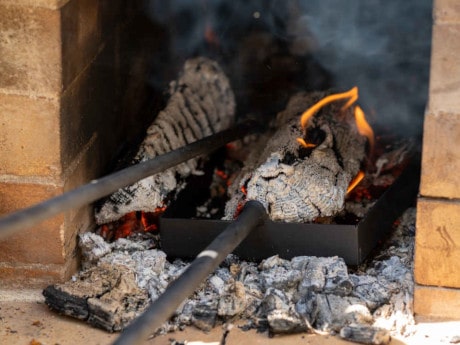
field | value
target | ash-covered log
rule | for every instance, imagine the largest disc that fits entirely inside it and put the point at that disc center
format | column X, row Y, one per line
column 201, row 103
column 297, row 183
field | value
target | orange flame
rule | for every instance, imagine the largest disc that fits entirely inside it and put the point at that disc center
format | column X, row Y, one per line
column 356, row 180
column 302, row 142
column 363, row 127
column 351, row 95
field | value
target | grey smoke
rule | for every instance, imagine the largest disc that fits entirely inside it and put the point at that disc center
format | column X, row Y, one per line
column 383, row 46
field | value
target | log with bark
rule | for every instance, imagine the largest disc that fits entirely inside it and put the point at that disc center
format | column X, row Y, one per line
column 298, row 184
column 201, row 103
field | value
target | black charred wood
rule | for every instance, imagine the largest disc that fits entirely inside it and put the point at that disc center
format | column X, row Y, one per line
column 66, row 303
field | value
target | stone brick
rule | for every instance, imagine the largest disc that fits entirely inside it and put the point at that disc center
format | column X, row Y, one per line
column 41, row 244
column 437, row 241
column 446, row 11
column 14, row 275
column 437, row 302
column 115, row 113
column 441, row 156
column 51, row 4
column 87, row 25
column 82, row 169
column 30, row 136
column 445, row 70
column 30, row 61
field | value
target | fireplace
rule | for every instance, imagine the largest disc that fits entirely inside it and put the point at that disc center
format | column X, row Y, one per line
column 63, row 126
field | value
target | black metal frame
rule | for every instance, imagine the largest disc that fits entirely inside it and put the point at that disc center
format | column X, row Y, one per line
column 185, row 238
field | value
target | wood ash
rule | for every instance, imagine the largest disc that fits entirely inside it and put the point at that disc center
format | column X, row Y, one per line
column 304, row 294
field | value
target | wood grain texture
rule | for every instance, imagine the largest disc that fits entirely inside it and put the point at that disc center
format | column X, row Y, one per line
column 201, row 103
column 297, row 184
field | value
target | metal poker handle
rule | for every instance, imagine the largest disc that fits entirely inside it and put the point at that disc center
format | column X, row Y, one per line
column 252, row 216
column 104, row 186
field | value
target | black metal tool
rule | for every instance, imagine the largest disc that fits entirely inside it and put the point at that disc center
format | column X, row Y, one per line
column 252, row 216
column 99, row 188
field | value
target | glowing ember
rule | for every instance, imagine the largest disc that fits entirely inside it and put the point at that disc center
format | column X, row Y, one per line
column 221, row 174
column 363, row 126
column 130, row 223
column 210, row 36
column 357, row 179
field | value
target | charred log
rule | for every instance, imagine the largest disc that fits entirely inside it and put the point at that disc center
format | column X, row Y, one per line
column 201, row 103
column 298, row 184
column 107, row 296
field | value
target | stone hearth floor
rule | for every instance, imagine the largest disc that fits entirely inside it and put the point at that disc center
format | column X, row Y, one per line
column 24, row 318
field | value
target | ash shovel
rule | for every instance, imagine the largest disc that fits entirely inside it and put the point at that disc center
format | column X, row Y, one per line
column 252, row 216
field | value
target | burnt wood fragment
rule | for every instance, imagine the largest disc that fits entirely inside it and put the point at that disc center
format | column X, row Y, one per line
column 366, row 334
column 201, row 103
column 71, row 297
column 204, row 316
column 298, row 184
column 66, row 304
column 106, row 296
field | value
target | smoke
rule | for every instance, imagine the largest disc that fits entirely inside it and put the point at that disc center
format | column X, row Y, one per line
column 382, row 46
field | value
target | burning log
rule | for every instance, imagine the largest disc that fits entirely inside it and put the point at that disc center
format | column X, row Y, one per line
column 304, row 169
column 201, row 103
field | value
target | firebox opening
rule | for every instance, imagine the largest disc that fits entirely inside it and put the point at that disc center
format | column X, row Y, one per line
column 271, row 50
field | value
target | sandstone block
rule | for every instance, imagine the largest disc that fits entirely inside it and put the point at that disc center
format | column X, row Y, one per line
column 41, row 244
column 446, row 11
column 437, row 302
column 441, row 157
column 30, row 136
column 18, row 276
column 445, row 70
column 51, row 4
column 30, row 59
column 87, row 26
column 437, row 241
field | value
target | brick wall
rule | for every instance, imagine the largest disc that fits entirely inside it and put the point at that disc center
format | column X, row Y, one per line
column 66, row 86
column 437, row 256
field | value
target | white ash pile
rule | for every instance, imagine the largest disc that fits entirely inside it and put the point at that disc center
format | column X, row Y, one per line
column 284, row 296
column 201, row 103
